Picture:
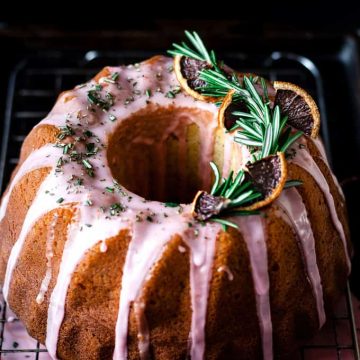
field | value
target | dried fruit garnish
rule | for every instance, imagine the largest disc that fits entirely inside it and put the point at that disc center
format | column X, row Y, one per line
column 268, row 176
column 187, row 72
column 206, row 205
column 226, row 118
column 299, row 106
column 251, row 189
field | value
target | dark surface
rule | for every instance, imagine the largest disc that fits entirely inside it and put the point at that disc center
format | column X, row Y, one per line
column 328, row 47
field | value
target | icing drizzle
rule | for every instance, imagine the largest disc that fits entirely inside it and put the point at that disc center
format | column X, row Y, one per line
column 290, row 201
column 253, row 232
column 305, row 160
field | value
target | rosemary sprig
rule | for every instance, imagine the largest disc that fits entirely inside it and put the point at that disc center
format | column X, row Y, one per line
column 261, row 128
column 199, row 52
column 238, row 192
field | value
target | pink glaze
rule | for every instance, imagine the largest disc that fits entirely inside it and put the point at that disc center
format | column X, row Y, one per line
column 290, row 201
column 305, row 160
column 201, row 241
column 146, row 246
column 35, row 211
column 252, row 229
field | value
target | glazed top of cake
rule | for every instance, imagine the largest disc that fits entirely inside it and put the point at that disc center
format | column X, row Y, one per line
column 81, row 177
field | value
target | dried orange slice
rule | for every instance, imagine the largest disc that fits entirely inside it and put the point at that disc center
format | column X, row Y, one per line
column 226, row 119
column 187, row 73
column 301, row 109
column 268, row 176
column 205, row 205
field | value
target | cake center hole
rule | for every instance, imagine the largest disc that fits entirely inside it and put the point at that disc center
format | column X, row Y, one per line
column 163, row 153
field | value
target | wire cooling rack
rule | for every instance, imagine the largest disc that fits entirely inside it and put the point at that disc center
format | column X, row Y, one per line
column 33, row 87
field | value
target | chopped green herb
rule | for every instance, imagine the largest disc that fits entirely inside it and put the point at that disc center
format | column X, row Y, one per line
column 66, row 148
column 171, row 204
column 87, row 164
column 112, row 117
column 91, row 149
column 107, row 80
column 65, row 131
column 115, row 209
column 95, row 98
column 60, row 200
column 176, row 89
column 88, row 133
column 59, row 162
column 129, row 100
column 118, row 188
column 170, row 95
column 79, row 181
column 115, row 76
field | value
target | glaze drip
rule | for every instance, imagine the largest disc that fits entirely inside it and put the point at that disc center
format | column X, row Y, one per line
column 290, row 201
column 201, row 241
column 253, row 232
column 305, row 160
column 146, row 246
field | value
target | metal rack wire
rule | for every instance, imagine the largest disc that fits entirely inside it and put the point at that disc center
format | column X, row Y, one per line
column 33, row 87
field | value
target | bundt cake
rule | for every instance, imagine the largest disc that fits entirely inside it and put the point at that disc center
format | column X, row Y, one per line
column 103, row 255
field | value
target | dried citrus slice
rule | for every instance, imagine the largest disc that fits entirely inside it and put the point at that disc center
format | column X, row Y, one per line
column 205, row 205
column 187, row 72
column 299, row 106
column 226, row 119
column 268, row 176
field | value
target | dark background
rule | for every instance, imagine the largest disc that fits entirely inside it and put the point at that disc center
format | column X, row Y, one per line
column 329, row 34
